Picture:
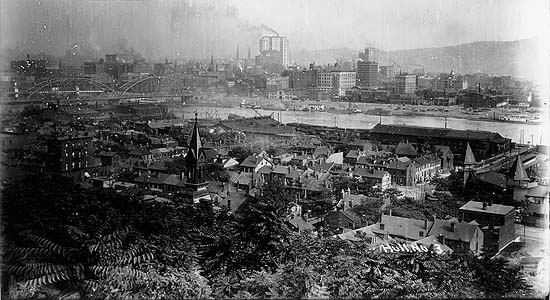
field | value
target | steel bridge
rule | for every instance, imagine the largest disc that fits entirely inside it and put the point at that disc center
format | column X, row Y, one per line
column 145, row 87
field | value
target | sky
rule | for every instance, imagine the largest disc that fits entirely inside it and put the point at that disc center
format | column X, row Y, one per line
column 198, row 28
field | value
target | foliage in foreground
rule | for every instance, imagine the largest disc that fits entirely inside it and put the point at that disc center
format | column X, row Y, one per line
column 170, row 250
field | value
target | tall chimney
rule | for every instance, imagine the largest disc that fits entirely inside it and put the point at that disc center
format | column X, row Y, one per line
column 452, row 227
column 484, row 205
column 426, row 223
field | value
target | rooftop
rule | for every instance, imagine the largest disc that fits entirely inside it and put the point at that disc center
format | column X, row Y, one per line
column 497, row 209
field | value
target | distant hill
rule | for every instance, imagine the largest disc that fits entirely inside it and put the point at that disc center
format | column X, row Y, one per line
column 516, row 58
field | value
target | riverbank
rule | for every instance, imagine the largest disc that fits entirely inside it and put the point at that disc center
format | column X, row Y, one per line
column 373, row 109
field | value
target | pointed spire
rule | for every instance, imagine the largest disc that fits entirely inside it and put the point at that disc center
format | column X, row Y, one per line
column 195, row 145
column 237, row 56
column 248, row 57
column 211, row 66
column 469, row 158
column 518, row 170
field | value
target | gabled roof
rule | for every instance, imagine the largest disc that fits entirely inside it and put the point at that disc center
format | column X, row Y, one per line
column 323, row 150
column 400, row 226
column 434, row 132
column 322, row 167
column 251, row 161
column 265, row 169
column 462, row 231
column 353, row 154
column 278, row 169
column 301, row 224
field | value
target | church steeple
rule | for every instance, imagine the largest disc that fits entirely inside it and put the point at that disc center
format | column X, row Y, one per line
column 195, row 156
column 212, row 67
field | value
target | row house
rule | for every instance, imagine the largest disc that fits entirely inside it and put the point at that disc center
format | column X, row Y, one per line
column 378, row 178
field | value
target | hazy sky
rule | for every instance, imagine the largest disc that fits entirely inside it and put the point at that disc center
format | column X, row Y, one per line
column 396, row 24
column 196, row 28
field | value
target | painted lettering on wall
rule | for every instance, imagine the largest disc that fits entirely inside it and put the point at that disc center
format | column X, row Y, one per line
column 409, row 248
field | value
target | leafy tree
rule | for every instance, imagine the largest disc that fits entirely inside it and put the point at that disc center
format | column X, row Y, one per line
column 410, row 208
column 216, row 172
column 76, row 266
column 239, row 153
column 176, row 166
column 369, row 208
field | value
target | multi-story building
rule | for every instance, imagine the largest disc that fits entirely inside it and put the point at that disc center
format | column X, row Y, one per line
column 70, row 153
column 303, row 80
column 405, row 84
column 485, row 144
column 367, row 74
column 496, row 222
column 324, row 81
column 370, row 54
column 275, row 47
column 342, row 81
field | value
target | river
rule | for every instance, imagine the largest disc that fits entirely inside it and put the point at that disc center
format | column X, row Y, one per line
column 535, row 133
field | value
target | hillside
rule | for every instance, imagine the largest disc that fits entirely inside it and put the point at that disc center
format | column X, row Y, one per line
column 516, row 58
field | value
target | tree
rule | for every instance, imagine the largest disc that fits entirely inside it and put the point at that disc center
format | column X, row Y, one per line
column 369, row 209
column 215, row 172
column 176, row 166
column 76, row 266
column 239, row 153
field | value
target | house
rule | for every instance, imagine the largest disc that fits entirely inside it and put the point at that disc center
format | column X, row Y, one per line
column 342, row 220
column 160, row 182
column 110, row 159
column 362, row 234
column 405, row 228
column 322, row 153
column 458, row 234
column 282, row 159
column 253, row 162
column 299, row 160
column 352, row 156
column 379, row 178
column 142, row 154
column 495, row 220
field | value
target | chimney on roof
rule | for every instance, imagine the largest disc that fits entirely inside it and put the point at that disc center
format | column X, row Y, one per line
column 390, row 212
column 426, row 223
column 306, row 216
column 441, row 239
column 452, row 227
column 484, row 205
column 490, row 202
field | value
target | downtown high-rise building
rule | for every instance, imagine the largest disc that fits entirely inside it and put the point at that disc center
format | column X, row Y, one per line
column 370, row 54
column 405, row 84
column 274, row 49
column 367, row 68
